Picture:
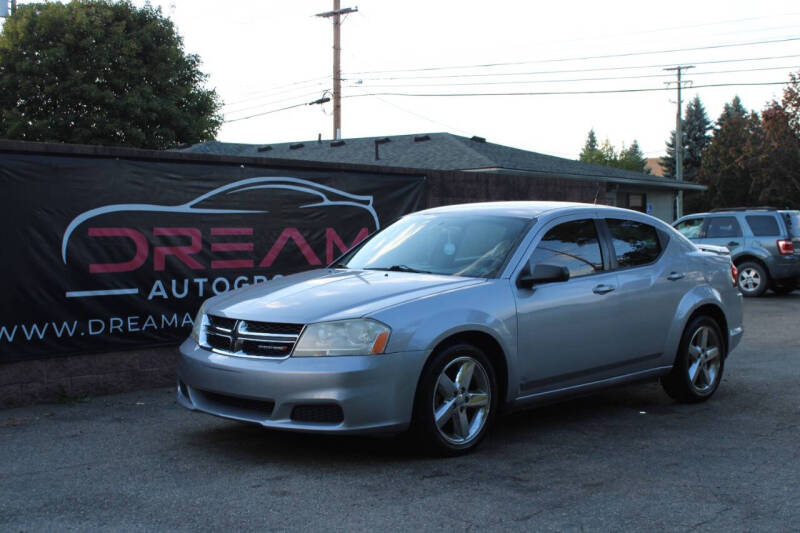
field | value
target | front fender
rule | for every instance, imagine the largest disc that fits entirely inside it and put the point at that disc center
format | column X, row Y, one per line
column 423, row 324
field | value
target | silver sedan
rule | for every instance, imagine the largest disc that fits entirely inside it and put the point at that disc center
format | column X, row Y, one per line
column 454, row 314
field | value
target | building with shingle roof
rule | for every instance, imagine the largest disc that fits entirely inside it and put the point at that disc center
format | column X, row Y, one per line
column 445, row 151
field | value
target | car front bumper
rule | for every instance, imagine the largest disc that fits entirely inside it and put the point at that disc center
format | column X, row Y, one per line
column 373, row 393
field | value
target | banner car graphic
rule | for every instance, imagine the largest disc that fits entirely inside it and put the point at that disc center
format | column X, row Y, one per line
column 101, row 254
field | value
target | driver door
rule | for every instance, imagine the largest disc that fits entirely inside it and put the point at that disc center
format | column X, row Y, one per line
column 568, row 331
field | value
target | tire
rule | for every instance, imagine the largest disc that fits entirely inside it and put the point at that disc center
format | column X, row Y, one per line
column 466, row 401
column 698, row 367
column 753, row 279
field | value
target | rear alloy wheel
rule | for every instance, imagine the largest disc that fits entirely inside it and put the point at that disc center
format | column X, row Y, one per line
column 456, row 401
column 698, row 367
column 752, row 279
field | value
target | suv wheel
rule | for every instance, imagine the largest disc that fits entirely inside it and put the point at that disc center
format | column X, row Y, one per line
column 698, row 367
column 752, row 279
column 456, row 400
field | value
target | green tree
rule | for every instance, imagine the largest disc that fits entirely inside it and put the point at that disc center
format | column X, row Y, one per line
column 101, row 72
column 591, row 151
column 605, row 154
column 728, row 163
column 696, row 137
column 775, row 160
column 632, row 158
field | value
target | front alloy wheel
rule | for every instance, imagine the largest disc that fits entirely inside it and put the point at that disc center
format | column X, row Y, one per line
column 456, row 400
column 461, row 400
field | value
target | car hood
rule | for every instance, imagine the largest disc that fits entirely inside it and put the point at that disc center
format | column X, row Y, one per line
column 321, row 295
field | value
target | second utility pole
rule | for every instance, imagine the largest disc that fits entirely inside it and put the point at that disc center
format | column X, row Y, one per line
column 679, row 141
column 336, row 14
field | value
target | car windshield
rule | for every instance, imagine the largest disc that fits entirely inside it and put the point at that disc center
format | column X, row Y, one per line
column 457, row 245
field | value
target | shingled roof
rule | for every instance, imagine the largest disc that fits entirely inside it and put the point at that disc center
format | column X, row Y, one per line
column 439, row 151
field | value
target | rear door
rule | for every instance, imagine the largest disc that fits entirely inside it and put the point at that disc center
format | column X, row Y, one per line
column 723, row 230
column 653, row 277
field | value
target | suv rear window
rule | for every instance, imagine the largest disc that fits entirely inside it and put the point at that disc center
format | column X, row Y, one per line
column 635, row 243
column 793, row 222
column 763, row 225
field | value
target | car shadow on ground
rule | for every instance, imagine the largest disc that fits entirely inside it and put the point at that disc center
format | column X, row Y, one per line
column 253, row 443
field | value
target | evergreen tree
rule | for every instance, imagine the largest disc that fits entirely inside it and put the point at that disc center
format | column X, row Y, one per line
column 696, row 128
column 727, row 164
column 696, row 137
column 591, row 152
column 632, row 158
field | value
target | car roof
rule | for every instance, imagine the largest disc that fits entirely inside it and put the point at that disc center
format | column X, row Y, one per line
column 531, row 209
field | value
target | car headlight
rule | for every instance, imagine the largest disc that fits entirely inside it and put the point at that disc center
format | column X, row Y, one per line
column 343, row 337
column 199, row 323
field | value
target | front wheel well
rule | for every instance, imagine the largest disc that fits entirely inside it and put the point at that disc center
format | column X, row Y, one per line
column 490, row 347
column 715, row 313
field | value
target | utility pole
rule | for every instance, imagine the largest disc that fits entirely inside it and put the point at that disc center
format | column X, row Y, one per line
column 679, row 140
column 336, row 15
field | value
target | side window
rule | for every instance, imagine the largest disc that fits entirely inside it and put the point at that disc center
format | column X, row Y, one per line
column 719, row 227
column 635, row 243
column 763, row 225
column 573, row 245
column 690, row 228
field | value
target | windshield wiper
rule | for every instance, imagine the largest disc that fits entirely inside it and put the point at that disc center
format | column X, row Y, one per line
column 400, row 268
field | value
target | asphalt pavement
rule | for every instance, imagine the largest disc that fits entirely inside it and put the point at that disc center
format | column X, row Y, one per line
column 625, row 459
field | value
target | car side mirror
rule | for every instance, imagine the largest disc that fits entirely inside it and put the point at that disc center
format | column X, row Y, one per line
column 542, row 273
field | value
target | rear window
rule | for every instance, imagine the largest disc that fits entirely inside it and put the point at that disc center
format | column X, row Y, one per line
column 719, row 227
column 793, row 222
column 635, row 243
column 763, row 225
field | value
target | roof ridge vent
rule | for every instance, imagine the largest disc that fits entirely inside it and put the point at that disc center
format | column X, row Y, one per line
column 422, row 138
column 264, row 148
column 335, row 144
column 296, row 146
column 478, row 139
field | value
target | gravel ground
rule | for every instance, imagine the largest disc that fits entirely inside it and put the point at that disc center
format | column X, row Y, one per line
column 625, row 459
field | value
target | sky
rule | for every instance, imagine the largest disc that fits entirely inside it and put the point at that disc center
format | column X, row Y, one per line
column 262, row 56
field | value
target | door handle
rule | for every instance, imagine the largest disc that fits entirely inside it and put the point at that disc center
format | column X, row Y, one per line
column 675, row 276
column 603, row 289
column 733, row 243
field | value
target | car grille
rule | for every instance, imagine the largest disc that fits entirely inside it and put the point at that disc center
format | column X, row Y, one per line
column 249, row 338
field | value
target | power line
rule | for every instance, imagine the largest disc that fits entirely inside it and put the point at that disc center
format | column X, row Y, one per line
column 270, row 94
column 564, row 80
column 423, row 117
column 573, row 71
column 584, row 58
column 287, row 99
column 542, row 93
column 549, row 93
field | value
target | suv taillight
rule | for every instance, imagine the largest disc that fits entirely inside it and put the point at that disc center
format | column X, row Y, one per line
column 785, row 247
column 734, row 274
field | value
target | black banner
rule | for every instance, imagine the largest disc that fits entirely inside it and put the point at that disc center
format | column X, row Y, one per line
column 101, row 254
